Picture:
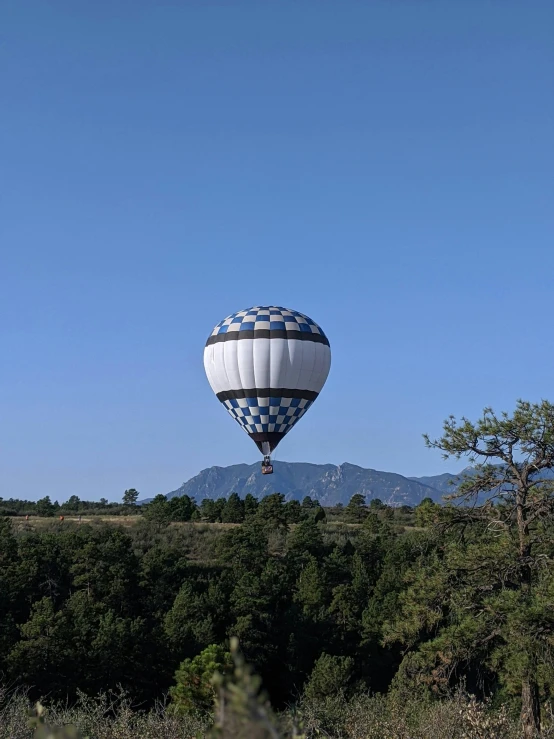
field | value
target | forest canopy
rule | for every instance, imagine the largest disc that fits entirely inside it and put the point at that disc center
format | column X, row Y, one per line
column 323, row 601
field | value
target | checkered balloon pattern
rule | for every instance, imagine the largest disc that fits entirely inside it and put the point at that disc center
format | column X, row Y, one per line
column 268, row 319
column 267, row 365
column 267, row 415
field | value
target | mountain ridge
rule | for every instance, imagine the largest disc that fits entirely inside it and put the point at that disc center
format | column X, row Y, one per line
column 328, row 483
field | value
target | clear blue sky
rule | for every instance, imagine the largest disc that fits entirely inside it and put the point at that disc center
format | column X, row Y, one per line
column 385, row 167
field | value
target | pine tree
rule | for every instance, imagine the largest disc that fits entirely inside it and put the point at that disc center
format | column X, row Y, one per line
column 486, row 591
column 233, row 510
column 130, row 496
column 194, row 691
column 329, row 677
column 250, row 505
column 158, row 511
column 356, row 509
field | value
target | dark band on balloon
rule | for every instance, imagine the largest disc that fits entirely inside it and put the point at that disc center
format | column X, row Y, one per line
column 265, row 333
column 266, row 392
column 269, row 437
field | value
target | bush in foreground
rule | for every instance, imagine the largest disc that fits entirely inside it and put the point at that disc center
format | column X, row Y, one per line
column 362, row 717
column 242, row 711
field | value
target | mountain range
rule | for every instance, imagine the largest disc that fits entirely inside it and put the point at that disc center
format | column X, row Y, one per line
column 329, row 484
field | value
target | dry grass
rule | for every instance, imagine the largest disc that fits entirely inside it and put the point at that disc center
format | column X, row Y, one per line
column 41, row 523
column 243, row 715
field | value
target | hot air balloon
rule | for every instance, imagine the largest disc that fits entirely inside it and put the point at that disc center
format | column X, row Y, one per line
column 267, row 365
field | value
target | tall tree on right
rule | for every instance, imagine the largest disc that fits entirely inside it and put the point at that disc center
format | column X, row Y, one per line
column 486, row 593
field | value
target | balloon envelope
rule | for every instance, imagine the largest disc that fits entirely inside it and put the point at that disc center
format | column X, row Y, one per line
column 267, row 365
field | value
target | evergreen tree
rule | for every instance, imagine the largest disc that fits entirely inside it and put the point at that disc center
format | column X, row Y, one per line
column 209, row 511
column 233, row 510
column 181, row 508
column 271, row 510
column 158, row 511
column 45, row 507
column 356, row 509
column 250, row 505
column 376, row 504
column 196, row 618
column 319, row 515
column 72, row 503
column 305, row 540
column 40, row 655
column 106, row 568
column 130, row 496
column 194, row 691
column 162, row 570
column 329, row 677
column 427, row 512
column 311, row 590
column 293, row 511
column 372, row 523
column 486, row 592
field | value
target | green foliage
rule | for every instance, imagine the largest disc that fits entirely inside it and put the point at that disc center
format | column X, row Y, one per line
column 356, row 509
column 158, row 511
column 242, row 709
column 319, row 515
column 250, row 505
column 373, row 523
column 181, row 508
column 73, row 504
column 293, row 511
column 427, row 513
column 233, row 510
column 194, row 691
column 211, row 510
column 329, row 677
column 305, row 539
column 271, row 511
column 483, row 596
column 192, row 621
column 130, row 496
column 45, row 507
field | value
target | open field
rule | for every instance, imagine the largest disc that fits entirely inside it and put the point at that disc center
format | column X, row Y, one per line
column 42, row 522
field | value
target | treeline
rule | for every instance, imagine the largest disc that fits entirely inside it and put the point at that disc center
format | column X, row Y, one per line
column 45, row 507
column 232, row 509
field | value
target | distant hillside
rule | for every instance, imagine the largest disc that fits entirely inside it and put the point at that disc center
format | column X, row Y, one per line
column 444, row 484
column 326, row 483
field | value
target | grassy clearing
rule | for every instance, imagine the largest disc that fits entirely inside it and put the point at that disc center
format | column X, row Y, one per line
column 41, row 523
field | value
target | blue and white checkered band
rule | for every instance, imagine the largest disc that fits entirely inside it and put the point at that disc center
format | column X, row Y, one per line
column 273, row 416
column 267, row 322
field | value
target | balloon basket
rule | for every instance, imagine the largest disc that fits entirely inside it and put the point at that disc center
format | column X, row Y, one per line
column 267, row 467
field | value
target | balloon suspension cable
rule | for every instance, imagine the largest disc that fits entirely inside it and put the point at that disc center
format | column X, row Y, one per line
column 267, row 467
